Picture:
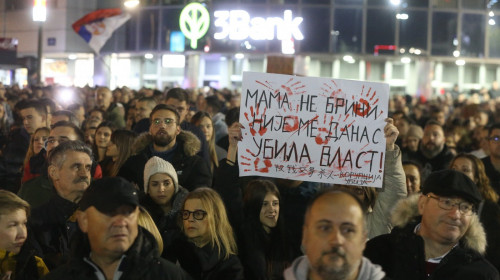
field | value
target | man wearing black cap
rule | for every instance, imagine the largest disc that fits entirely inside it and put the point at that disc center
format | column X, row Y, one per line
column 113, row 246
column 437, row 234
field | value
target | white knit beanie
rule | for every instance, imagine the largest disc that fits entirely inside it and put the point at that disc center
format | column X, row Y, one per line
column 157, row 165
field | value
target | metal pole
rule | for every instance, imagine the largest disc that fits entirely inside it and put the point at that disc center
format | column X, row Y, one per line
column 39, row 56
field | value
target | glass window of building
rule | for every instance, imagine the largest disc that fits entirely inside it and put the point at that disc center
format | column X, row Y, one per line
column 212, row 67
column 126, row 36
column 472, row 38
column 326, row 69
column 316, row 30
column 445, row 3
column 148, row 30
column 494, row 37
column 415, row 3
column 471, row 73
column 322, row 2
column 346, row 33
column 413, row 31
column 349, row 2
column 444, row 33
column 450, row 72
column 380, row 28
column 375, row 71
column 491, row 74
column 220, row 1
column 349, row 70
column 398, row 70
column 171, row 37
column 150, row 2
column 386, row 3
column 494, row 5
column 474, row 4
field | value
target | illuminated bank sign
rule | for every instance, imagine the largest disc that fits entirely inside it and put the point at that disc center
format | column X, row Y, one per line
column 239, row 25
column 194, row 22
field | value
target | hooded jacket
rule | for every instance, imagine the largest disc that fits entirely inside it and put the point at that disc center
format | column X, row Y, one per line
column 192, row 170
column 402, row 256
column 141, row 261
column 300, row 269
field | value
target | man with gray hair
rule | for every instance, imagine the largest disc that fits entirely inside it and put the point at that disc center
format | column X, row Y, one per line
column 53, row 223
column 333, row 239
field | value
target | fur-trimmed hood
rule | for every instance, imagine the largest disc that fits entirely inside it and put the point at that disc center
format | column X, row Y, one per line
column 406, row 211
column 190, row 143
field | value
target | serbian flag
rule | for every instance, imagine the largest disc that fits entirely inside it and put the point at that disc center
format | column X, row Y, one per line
column 96, row 27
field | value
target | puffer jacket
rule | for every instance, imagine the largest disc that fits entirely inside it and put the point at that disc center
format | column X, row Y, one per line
column 141, row 261
column 192, row 170
column 402, row 256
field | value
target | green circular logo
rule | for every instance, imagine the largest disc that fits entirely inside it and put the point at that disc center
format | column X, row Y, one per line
column 194, row 22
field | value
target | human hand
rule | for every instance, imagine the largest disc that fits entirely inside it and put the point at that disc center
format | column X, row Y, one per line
column 391, row 134
column 234, row 134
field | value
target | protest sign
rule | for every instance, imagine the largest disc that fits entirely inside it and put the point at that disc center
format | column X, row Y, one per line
column 313, row 129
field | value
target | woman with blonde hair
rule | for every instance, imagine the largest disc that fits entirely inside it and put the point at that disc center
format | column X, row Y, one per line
column 488, row 210
column 18, row 261
column 145, row 221
column 207, row 249
column 34, row 159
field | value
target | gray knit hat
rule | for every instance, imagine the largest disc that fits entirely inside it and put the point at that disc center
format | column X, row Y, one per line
column 157, row 165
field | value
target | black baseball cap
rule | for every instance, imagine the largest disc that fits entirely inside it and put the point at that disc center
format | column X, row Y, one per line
column 452, row 183
column 109, row 193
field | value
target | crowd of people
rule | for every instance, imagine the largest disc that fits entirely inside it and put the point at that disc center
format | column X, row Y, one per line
column 124, row 184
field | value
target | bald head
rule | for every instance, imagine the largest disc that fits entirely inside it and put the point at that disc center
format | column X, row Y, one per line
column 334, row 235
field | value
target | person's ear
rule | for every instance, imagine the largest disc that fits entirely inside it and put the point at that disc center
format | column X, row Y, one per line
column 422, row 200
column 82, row 218
column 53, row 172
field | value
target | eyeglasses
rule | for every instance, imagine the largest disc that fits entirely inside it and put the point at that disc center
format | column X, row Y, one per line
column 167, row 122
column 494, row 139
column 197, row 214
column 465, row 208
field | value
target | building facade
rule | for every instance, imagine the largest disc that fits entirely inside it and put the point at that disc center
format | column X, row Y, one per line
column 417, row 46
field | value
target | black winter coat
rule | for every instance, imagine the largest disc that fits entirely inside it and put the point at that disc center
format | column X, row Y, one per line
column 141, row 262
column 52, row 226
column 193, row 171
column 401, row 255
column 204, row 263
column 165, row 222
column 254, row 245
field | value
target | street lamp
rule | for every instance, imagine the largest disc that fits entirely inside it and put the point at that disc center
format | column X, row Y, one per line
column 39, row 15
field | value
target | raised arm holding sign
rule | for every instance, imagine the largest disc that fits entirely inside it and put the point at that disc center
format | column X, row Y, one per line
column 313, row 129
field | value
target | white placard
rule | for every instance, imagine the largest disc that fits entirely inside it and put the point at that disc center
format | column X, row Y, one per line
column 313, row 129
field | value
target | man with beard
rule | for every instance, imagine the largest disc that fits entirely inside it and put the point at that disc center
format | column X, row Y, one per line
column 334, row 237
column 53, row 223
column 432, row 154
column 167, row 141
